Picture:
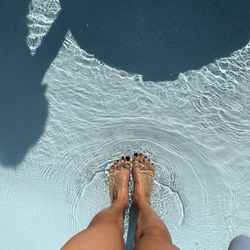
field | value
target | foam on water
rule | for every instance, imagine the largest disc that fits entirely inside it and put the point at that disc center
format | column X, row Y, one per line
column 196, row 130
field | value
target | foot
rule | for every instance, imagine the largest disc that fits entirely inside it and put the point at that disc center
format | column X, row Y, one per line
column 143, row 174
column 118, row 181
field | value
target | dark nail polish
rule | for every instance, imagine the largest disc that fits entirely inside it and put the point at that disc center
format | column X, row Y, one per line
column 135, row 154
column 127, row 158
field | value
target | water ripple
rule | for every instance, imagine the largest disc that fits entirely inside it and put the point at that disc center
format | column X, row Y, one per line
column 196, row 130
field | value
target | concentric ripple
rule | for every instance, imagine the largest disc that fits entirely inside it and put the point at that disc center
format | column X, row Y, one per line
column 196, row 130
column 182, row 182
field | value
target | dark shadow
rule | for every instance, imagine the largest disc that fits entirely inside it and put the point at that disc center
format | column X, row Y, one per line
column 23, row 105
column 159, row 39
column 130, row 242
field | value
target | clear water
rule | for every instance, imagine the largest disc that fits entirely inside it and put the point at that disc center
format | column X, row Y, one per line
column 195, row 129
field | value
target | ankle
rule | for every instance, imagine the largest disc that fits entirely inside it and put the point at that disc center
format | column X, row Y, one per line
column 142, row 201
column 120, row 204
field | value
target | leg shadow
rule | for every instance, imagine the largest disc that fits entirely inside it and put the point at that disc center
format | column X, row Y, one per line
column 130, row 242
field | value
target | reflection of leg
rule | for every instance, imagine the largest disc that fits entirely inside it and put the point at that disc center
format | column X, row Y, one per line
column 105, row 231
column 151, row 232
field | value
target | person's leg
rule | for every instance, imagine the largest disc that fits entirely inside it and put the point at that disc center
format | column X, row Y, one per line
column 105, row 231
column 151, row 232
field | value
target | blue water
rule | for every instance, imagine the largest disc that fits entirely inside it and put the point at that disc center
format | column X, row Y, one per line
column 66, row 115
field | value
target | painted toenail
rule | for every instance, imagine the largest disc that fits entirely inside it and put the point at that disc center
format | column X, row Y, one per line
column 140, row 153
column 127, row 158
column 135, row 154
column 123, row 158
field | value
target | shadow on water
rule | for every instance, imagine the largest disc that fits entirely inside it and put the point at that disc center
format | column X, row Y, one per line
column 158, row 39
column 130, row 241
column 23, row 105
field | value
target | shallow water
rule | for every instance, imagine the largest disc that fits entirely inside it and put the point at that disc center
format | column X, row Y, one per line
column 195, row 129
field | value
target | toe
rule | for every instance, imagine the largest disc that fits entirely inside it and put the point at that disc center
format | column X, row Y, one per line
column 112, row 167
column 152, row 167
column 115, row 163
column 127, row 162
column 136, row 156
column 141, row 159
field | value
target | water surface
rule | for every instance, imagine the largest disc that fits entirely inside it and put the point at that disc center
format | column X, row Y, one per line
column 196, row 129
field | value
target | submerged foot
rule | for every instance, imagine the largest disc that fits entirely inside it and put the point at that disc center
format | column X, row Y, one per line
column 119, row 181
column 143, row 174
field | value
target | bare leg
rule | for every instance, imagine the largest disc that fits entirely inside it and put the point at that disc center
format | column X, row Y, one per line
column 105, row 231
column 151, row 232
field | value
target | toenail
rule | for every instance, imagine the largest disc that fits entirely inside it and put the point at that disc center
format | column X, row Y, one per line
column 123, row 158
column 135, row 154
column 140, row 153
column 145, row 156
column 127, row 158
